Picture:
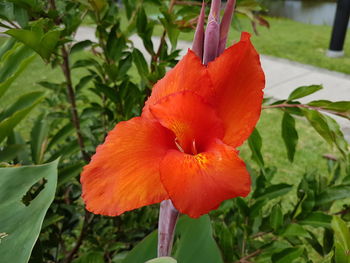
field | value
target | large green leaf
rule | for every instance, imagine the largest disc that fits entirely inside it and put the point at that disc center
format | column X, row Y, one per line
column 145, row 250
column 90, row 257
column 196, row 243
column 7, row 124
column 20, row 223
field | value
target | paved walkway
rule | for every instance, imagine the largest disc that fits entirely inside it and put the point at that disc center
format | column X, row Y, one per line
column 282, row 76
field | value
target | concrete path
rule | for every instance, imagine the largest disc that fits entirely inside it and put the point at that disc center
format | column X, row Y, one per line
column 282, row 76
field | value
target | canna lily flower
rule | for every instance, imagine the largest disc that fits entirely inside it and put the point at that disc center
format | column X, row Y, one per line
column 183, row 146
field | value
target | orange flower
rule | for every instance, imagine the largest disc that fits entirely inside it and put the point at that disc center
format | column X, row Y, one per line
column 183, row 146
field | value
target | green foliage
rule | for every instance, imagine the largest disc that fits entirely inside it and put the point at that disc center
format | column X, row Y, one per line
column 26, row 194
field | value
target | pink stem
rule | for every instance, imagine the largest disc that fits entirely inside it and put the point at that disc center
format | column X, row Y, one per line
column 212, row 33
column 225, row 25
column 198, row 41
column 168, row 216
column 215, row 11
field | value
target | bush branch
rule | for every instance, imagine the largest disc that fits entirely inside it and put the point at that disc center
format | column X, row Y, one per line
column 71, row 98
column 306, row 106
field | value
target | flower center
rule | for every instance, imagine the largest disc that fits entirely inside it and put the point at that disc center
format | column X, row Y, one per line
column 193, row 150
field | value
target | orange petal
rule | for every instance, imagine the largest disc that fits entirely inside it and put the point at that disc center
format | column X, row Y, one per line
column 198, row 184
column 238, row 81
column 193, row 121
column 188, row 74
column 124, row 172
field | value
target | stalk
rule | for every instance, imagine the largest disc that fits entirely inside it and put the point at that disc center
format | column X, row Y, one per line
column 168, row 216
column 71, row 97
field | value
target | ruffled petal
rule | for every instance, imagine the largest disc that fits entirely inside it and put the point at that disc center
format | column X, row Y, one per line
column 193, row 121
column 188, row 74
column 124, row 173
column 238, row 81
column 198, row 184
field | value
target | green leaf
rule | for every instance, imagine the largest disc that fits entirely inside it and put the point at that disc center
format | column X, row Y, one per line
column 124, row 66
column 162, row 260
column 20, row 223
column 295, row 230
column 9, row 44
column 43, row 44
column 90, row 257
column 68, row 172
column 10, row 152
column 63, row 133
column 276, row 217
column 328, row 241
column 275, row 191
column 304, row 91
column 289, row 135
column 171, row 28
column 287, row 255
column 23, row 155
column 12, row 64
column 339, row 106
column 196, row 244
column 98, row 5
column 340, row 255
column 255, row 144
column 141, row 21
column 313, row 241
column 115, row 44
column 79, row 46
column 320, row 124
column 317, row 219
column 21, row 103
column 7, row 124
column 21, row 16
column 6, row 10
column 39, row 139
column 342, row 240
column 140, row 63
column 333, row 193
column 145, row 250
column 342, row 234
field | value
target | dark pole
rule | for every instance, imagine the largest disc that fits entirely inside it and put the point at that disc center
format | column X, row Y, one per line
column 340, row 27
